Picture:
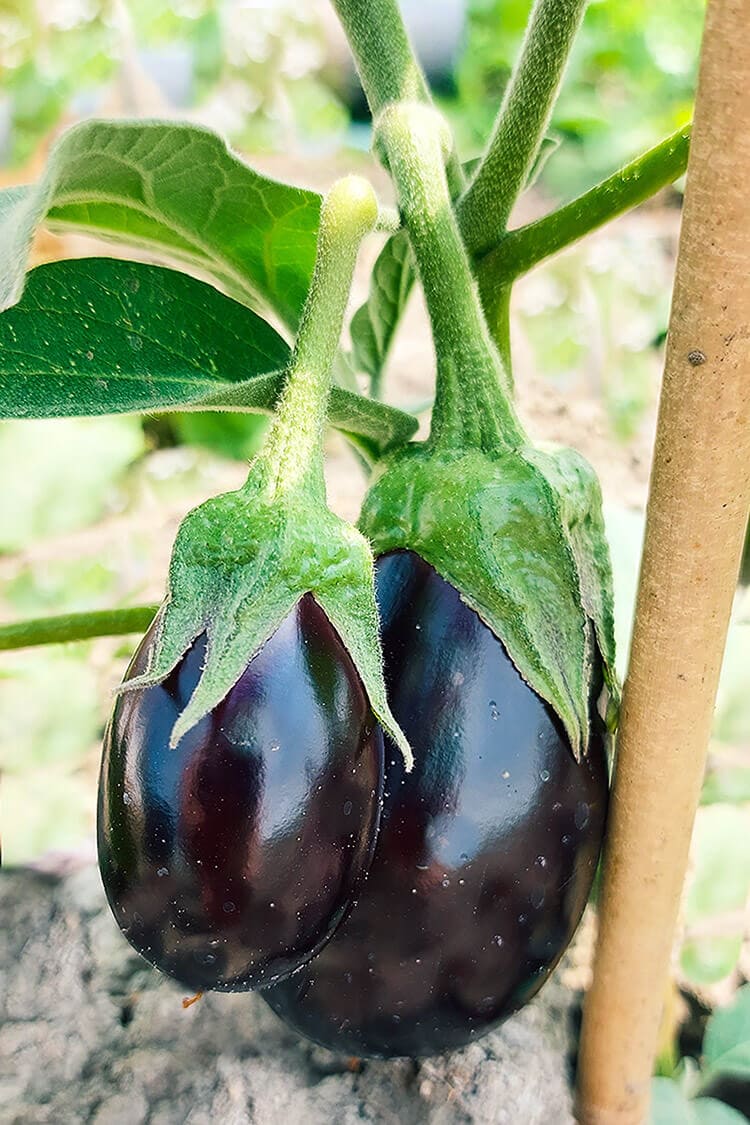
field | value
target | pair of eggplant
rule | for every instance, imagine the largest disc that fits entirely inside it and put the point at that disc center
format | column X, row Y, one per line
column 283, row 846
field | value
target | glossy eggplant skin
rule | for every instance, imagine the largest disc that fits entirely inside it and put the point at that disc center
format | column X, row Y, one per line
column 486, row 851
column 231, row 859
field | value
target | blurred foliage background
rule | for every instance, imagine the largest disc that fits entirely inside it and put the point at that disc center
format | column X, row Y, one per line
column 89, row 507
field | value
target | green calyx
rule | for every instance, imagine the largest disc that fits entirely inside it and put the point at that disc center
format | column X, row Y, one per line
column 242, row 561
column 520, row 536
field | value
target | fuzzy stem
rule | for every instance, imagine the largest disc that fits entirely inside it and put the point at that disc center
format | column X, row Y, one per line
column 521, row 122
column 76, row 627
column 520, row 250
column 294, row 447
column 386, row 62
column 471, row 406
column 695, row 528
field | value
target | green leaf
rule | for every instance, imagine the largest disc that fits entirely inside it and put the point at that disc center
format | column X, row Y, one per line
column 233, row 435
column 373, row 326
column 177, row 191
column 669, row 1106
column 103, row 336
column 726, row 1044
column 719, row 885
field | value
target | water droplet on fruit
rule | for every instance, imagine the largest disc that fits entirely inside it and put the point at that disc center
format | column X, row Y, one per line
column 347, row 807
column 497, row 940
column 536, row 898
column 544, row 775
column 541, row 861
column 581, row 814
column 162, row 872
column 127, row 799
column 446, row 882
column 494, row 713
column 228, row 907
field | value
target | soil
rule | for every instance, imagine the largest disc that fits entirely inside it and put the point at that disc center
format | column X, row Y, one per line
column 90, row 1033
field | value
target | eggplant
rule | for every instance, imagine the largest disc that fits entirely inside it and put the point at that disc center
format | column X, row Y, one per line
column 486, row 850
column 230, row 860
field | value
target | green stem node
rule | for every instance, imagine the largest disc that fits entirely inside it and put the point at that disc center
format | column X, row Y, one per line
column 521, row 122
column 294, row 448
column 520, row 250
column 386, row 62
column 471, row 407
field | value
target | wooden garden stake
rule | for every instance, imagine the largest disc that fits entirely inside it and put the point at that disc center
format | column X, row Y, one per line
column 698, row 505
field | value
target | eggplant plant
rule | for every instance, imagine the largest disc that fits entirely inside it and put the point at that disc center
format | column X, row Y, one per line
column 363, row 769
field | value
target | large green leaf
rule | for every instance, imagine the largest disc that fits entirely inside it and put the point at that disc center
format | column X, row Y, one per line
column 103, row 336
column 177, row 190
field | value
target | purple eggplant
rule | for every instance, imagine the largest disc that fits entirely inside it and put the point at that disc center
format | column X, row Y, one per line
column 230, row 860
column 486, row 851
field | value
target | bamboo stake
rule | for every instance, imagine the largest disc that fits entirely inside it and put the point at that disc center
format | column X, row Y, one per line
column 698, row 505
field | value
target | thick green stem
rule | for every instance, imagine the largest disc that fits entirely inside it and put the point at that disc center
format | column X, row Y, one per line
column 637, row 181
column 76, row 627
column 521, row 122
column 386, row 62
column 294, row 448
column 471, row 406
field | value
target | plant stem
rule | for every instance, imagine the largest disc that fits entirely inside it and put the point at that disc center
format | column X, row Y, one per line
column 521, row 122
column 294, row 447
column 76, row 627
column 386, row 62
column 471, row 406
column 695, row 528
column 521, row 249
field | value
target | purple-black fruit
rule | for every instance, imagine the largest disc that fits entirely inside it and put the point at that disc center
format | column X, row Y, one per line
column 486, row 851
column 230, row 860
